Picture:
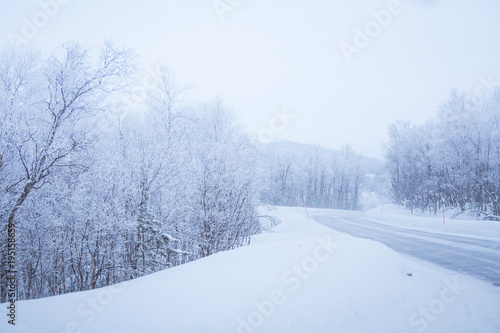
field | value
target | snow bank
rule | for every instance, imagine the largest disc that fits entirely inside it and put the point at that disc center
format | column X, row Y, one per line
column 302, row 277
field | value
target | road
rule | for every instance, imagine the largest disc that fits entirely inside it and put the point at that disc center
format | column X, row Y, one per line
column 477, row 257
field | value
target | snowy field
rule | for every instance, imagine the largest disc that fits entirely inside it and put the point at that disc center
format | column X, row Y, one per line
column 301, row 277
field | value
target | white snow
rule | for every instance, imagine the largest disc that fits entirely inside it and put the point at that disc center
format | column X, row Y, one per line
column 302, row 277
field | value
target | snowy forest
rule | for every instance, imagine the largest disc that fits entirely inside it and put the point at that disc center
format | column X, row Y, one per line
column 452, row 160
column 105, row 178
column 320, row 177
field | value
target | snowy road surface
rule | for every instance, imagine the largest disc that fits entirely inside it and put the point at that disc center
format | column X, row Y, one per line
column 471, row 255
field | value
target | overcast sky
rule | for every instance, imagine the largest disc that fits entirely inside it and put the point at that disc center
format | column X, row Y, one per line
column 305, row 57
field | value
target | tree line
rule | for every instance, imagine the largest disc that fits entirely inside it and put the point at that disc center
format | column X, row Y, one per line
column 101, row 191
column 318, row 177
column 108, row 178
column 451, row 160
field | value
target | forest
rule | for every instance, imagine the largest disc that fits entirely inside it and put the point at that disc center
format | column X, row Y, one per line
column 107, row 177
column 452, row 160
column 300, row 174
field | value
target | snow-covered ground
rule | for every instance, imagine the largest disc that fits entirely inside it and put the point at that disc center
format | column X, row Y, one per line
column 302, row 277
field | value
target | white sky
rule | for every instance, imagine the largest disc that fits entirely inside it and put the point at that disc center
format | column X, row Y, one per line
column 269, row 54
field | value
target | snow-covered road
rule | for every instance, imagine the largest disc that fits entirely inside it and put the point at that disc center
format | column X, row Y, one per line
column 474, row 255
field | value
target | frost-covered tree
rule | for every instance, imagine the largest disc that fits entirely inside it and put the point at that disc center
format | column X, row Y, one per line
column 223, row 169
column 452, row 160
column 47, row 108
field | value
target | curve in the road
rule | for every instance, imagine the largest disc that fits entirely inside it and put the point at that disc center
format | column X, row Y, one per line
column 476, row 257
